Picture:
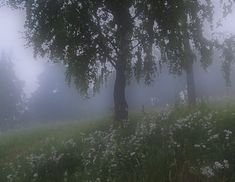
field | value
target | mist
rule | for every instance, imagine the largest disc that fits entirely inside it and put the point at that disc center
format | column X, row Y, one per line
column 47, row 96
column 118, row 91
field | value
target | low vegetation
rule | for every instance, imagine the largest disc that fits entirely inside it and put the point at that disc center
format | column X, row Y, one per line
column 175, row 145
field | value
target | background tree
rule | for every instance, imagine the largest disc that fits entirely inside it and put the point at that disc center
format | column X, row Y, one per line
column 92, row 38
column 177, row 27
column 11, row 93
column 227, row 49
column 53, row 100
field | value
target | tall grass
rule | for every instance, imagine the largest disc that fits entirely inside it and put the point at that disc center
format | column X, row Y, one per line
column 174, row 145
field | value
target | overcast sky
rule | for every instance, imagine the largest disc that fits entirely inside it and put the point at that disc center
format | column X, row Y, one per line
column 27, row 68
column 11, row 41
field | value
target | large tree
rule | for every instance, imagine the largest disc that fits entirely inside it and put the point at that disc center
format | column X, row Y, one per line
column 11, row 93
column 92, row 38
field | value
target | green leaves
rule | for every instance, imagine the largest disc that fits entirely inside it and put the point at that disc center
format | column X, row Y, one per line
column 87, row 34
column 177, row 22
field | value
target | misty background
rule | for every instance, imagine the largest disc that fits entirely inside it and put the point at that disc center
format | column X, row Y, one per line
column 38, row 92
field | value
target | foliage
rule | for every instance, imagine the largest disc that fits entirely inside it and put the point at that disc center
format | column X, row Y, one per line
column 178, row 30
column 88, row 36
column 228, row 48
column 175, row 145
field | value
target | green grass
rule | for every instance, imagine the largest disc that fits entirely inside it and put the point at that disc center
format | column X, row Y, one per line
column 176, row 145
column 24, row 141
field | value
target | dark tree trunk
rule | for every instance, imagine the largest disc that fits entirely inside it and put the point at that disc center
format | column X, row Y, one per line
column 123, row 20
column 191, row 84
column 120, row 104
column 190, row 75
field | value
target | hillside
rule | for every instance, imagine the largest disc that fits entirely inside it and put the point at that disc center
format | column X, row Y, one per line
column 175, row 145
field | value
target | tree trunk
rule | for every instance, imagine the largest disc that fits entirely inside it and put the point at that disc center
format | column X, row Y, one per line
column 120, row 104
column 189, row 74
column 123, row 20
column 190, row 84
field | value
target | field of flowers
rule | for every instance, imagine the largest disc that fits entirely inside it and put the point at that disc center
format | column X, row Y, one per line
column 176, row 145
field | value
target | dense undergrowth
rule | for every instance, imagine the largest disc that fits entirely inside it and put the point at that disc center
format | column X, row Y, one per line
column 176, row 145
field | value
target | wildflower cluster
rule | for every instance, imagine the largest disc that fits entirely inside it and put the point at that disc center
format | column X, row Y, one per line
column 52, row 161
column 167, row 146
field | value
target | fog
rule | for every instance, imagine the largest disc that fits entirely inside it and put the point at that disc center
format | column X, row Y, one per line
column 47, row 96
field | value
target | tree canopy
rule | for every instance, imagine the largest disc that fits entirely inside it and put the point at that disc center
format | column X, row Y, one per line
column 93, row 38
column 180, row 28
column 83, row 34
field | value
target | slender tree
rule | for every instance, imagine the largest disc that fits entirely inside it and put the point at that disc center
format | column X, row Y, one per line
column 178, row 29
column 227, row 49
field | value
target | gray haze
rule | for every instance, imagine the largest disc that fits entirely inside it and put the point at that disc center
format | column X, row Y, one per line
column 48, row 97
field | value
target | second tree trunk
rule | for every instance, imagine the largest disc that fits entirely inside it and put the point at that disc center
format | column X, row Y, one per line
column 189, row 59
column 190, row 84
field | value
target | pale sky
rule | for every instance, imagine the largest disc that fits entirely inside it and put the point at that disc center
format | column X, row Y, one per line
column 27, row 68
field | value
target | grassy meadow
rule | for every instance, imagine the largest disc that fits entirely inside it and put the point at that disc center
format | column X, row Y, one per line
column 174, row 145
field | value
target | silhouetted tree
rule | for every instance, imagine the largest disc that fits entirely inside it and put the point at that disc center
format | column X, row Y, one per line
column 11, row 93
column 53, row 100
column 177, row 27
column 227, row 48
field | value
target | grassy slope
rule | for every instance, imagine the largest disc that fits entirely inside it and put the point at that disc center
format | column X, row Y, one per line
column 137, row 152
column 24, row 141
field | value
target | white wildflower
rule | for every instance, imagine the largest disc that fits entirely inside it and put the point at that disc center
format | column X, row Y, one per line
column 215, row 136
column 226, row 164
column 132, row 153
column 207, row 171
column 218, row 165
column 228, row 133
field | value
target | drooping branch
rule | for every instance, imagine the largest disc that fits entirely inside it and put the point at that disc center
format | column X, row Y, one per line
column 106, row 38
